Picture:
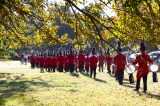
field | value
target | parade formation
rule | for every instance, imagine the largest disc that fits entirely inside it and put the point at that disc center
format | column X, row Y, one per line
column 66, row 61
column 79, row 52
column 87, row 62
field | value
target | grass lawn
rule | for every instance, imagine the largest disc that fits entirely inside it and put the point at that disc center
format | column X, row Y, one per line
column 22, row 86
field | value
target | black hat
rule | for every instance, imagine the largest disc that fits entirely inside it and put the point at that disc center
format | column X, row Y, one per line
column 88, row 53
column 49, row 53
column 64, row 52
column 71, row 47
column 71, row 51
column 119, row 46
column 93, row 51
column 142, row 47
column 108, row 52
column 81, row 50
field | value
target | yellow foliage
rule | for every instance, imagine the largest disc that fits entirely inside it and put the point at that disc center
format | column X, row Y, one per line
column 14, row 46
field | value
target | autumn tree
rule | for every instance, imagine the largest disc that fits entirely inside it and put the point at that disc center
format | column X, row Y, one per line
column 33, row 23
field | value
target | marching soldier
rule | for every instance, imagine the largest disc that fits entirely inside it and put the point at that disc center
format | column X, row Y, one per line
column 49, row 58
column 66, row 67
column 36, row 61
column 25, row 58
column 41, row 63
column 101, row 61
column 154, row 74
column 54, row 62
column 60, row 62
column 143, row 69
column 46, row 62
column 81, row 58
column 71, row 61
column 32, row 61
column 93, row 63
column 120, row 62
column 108, row 61
column 76, row 61
column 87, row 61
column 21, row 57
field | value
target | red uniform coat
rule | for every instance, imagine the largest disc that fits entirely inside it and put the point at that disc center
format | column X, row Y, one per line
column 81, row 59
column 60, row 60
column 142, row 61
column 41, row 61
column 36, row 59
column 54, row 61
column 87, row 61
column 101, row 59
column 46, row 64
column 71, row 59
column 76, row 61
column 120, row 61
column 49, row 61
column 66, row 61
column 109, row 60
column 32, row 59
column 29, row 58
column 93, row 61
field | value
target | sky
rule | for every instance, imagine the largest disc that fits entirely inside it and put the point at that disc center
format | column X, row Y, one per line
column 108, row 11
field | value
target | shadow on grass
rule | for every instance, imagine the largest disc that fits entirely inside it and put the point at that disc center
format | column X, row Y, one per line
column 73, row 90
column 112, row 75
column 2, row 75
column 150, row 95
column 129, row 86
column 86, row 75
column 17, row 85
column 74, row 75
column 99, row 80
column 128, row 83
column 10, row 87
column 9, row 75
column 156, row 96
column 96, row 79
column 125, row 79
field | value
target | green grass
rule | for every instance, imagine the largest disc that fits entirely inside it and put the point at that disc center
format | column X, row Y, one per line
column 22, row 86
